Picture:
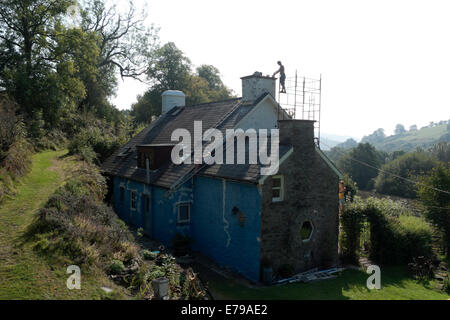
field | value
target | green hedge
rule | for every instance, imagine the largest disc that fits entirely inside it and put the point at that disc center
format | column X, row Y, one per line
column 352, row 220
column 396, row 236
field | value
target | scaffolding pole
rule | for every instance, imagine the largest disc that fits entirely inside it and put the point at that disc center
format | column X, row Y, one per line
column 305, row 94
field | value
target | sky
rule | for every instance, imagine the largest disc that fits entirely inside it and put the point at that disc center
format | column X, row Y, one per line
column 382, row 62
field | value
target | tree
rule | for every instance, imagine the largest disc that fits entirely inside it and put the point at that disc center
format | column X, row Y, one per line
column 409, row 166
column 376, row 137
column 348, row 144
column 126, row 47
column 399, row 129
column 30, row 56
column 441, row 151
column 413, row 127
column 360, row 164
column 212, row 76
column 172, row 70
column 434, row 194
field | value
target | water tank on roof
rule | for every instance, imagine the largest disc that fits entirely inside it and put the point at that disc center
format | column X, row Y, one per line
column 172, row 98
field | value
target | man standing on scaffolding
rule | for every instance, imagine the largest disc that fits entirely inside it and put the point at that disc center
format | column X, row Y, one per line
column 282, row 76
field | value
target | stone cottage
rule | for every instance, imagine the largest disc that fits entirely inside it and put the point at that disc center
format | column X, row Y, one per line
column 231, row 212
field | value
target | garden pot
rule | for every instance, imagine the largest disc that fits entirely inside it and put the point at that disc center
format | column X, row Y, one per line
column 161, row 288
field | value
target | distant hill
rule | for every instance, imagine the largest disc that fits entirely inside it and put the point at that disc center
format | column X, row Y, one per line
column 410, row 140
column 328, row 140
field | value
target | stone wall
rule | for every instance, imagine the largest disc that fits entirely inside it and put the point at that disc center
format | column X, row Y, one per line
column 311, row 194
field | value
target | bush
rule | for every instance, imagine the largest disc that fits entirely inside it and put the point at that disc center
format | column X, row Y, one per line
column 352, row 219
column 116, row 267
column 395, row 236
column 77, row 224
column 421, row 267
column 437, row 202
column 148, row 255
column 15, row 151
column 93, row 145
column 447, row 284
column 396, row 239
column 50, row 140
column 350, row 189
column 410, row 166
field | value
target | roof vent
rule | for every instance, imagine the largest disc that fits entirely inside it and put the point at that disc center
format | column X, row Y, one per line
column 172, row 98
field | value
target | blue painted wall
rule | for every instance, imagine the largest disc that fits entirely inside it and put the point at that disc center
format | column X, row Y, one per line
column 161, row 223
column 214, row 229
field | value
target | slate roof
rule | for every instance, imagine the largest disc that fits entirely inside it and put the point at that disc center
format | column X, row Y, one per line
column 244, row 172
column 221, row 115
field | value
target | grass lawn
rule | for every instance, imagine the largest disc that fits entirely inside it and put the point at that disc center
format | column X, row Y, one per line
column 351, row 284
column 23, row 273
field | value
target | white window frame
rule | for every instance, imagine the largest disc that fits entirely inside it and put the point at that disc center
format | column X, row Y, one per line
column 281, row 188
column 189, row 213
column 135, row 200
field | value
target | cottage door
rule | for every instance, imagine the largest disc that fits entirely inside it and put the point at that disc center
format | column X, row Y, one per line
column 146, row 210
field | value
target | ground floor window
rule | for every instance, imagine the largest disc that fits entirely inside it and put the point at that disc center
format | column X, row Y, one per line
column 184, row 214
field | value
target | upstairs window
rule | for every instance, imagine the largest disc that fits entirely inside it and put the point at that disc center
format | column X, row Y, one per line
column 133, row 199
column 184, row 214
column 277, row 188
column 122, row 194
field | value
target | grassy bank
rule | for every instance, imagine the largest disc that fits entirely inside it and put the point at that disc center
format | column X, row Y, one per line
column 24, row 274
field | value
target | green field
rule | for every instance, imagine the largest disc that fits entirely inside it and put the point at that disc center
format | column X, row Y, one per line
column 350, row 284
column 23, row 273
column 409, row 141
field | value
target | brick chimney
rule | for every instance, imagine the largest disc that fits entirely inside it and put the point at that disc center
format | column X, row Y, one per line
column 298, row 133
column 255, row 85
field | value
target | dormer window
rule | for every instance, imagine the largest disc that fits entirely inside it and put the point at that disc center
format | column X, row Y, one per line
column 156, row 154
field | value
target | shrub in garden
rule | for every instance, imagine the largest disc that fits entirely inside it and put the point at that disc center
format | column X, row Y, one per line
column 437, row 202
column 116, row 267
column 148, row 255
column 352, row 220
column 15, row 151
column 93, row 145
column 396, row 238
column 421, row 267
column 77, row 224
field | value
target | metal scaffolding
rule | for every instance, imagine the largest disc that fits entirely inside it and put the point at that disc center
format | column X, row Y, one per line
column 302, row 100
